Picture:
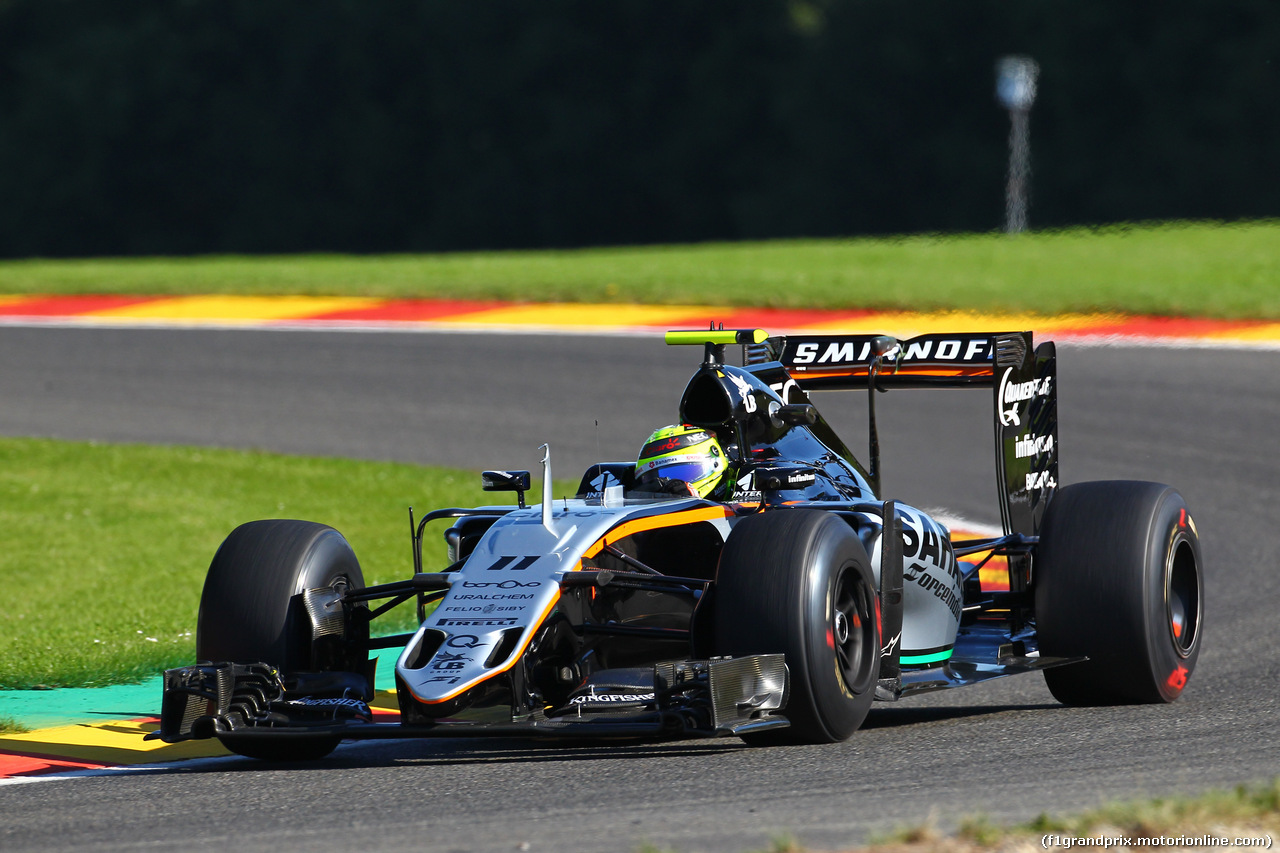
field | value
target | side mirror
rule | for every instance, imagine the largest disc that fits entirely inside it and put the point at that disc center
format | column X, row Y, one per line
column 797, row 414
column 507, row 481
column 884, row 345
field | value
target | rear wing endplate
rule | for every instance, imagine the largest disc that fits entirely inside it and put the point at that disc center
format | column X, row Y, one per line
column 1023, row 379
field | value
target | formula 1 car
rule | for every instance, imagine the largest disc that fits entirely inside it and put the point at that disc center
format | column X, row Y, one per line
column 776, row 614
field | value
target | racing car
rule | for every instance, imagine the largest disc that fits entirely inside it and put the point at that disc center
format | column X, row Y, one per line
column 775, row 606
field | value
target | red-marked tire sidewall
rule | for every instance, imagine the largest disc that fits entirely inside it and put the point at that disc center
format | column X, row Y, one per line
column 1119, row 578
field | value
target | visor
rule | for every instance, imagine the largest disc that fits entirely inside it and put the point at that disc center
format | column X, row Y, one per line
column 690, row 471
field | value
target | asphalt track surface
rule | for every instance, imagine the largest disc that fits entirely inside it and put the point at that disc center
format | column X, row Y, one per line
column 1202, row 420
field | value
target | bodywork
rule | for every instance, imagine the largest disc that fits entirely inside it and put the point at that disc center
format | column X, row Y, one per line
column 591, row 615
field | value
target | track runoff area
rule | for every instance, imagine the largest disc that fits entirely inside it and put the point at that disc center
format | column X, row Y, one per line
column 430, row 315
column 91, row 732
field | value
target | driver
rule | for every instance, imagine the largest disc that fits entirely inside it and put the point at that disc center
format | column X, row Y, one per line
column 681, row 459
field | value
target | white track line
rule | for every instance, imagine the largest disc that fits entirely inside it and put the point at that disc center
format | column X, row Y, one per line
column 409, row 327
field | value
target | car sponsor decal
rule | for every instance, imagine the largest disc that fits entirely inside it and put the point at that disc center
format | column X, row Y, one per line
column 1013, row 394
column 449, row 660
column 477, row 622
column 1041, row 480
column 785, row 389
column 475, row 642
column 1031, row 445
column 608, row 698
column 946, row 593
column 356, row 706
column 745, row 391
column 672, row 443
column 491, row 607
column 857, row 351
column 515, row 564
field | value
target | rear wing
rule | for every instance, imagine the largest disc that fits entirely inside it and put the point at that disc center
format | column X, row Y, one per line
column 1023, row 379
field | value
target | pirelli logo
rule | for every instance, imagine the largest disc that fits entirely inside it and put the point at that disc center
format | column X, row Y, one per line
column 498, row 622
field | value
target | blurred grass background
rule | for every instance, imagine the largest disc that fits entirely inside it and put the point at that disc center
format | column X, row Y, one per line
column 106, row 546
column 1176, row 269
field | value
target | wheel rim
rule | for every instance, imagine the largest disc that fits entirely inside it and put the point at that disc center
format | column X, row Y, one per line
column 852, row 629
column 1182, row 597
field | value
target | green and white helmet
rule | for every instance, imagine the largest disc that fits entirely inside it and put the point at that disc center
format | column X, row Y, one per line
column 682, row 452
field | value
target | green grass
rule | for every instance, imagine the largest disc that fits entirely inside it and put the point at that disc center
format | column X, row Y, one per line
column 1184, row 268
column 9, row 726
column 1242, row 811
column 106, row 546
column 1241, row 807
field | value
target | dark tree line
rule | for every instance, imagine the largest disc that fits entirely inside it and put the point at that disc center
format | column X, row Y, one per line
column 180, row 126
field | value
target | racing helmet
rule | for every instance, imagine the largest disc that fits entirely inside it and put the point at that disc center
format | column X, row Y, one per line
column 682, row 452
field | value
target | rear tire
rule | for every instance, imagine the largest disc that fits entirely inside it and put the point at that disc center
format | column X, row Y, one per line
column 251, row 610
column 799, row 582
column 1118, row 577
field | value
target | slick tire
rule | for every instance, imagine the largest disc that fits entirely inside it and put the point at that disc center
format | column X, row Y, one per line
column 251, row 610
column 1118, row 578
column 799, row 582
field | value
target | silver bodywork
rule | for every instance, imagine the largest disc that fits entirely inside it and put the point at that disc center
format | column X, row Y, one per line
column 511, row 582
column 931, row 589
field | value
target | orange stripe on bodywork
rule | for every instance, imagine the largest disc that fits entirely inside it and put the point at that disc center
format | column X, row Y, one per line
column 630, row 528
column 622, row 531
column 800, row 373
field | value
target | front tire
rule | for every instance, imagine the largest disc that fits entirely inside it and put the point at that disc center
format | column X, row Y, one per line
column 1118, row 577
column 251, row 610
column 799, row 582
